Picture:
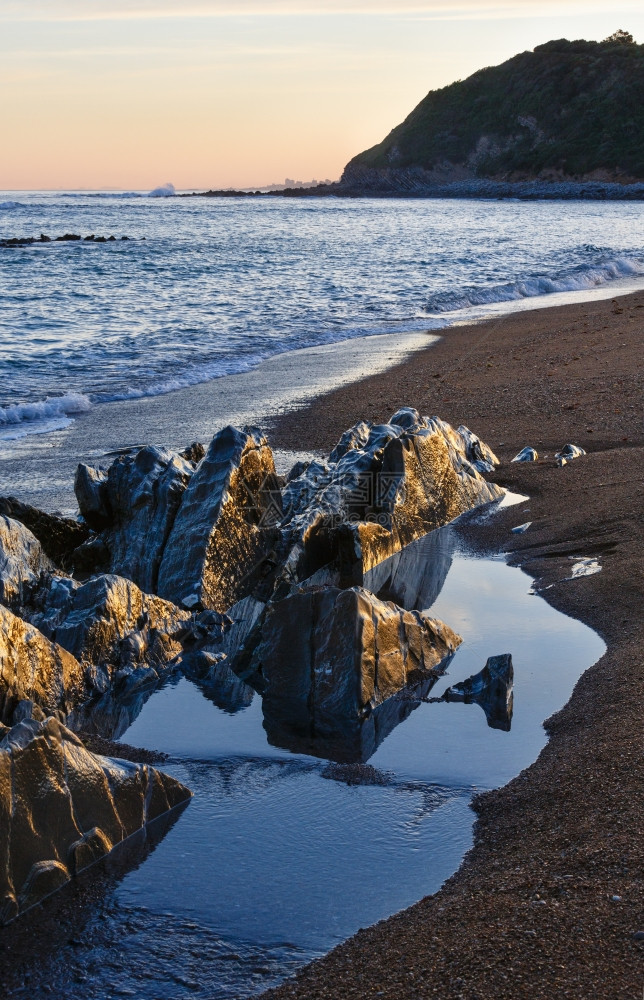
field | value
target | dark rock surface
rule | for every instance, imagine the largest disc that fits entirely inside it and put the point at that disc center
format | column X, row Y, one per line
column 33, row 669
column 63, row 808
column 59, row 536
column 492, row 689
column 329, row 656
column 223, row 536
column 135, row 502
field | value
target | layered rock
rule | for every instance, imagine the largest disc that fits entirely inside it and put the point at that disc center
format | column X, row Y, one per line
column 134, row 504
column 22, row 561
column 327, row 656
column 391, row 484
column 222, row 541
column 34, row 669
column 63, row 808
column 111, row 627
column 58, row 536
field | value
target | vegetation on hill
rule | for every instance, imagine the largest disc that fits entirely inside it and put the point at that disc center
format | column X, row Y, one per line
column 566, row 110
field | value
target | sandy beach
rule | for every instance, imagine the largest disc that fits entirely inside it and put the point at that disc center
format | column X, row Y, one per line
column 549, row 901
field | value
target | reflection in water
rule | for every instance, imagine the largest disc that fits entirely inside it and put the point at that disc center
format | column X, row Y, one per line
column 414, row 577
column 492, row 688
column 355, row 740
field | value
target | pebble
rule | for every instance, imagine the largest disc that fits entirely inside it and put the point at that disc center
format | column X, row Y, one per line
column 638, row 936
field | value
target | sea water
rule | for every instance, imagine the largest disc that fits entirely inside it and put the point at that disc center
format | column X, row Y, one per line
column 211, row 287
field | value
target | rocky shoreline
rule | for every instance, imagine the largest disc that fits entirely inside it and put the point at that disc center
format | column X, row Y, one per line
column 207, row 563
column 549, row 901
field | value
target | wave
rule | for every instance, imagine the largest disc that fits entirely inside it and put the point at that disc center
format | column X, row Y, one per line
column 164, row 191
column 54, row 407
column 576, row 280
column 11, row 204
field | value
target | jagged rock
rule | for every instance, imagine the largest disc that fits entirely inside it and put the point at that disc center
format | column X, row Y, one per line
column 135, row 502
column 22, row 561
column 59, row 536
column 223, row 536
column 568, row 453
column 492, row 689
column 414, row 577
column 111, row 626
column 62, row 808
column 33, row 669
column 89, row 487
column 526, row 455
column 392, row 484
column 327, row 656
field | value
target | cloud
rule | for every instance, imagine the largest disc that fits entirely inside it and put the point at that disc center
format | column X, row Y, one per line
column 122, row 10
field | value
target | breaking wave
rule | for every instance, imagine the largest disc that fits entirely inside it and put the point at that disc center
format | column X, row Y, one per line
column 576, row 280
column 45, row 409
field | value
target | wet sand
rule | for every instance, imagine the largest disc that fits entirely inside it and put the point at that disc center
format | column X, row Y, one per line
column 549, row 901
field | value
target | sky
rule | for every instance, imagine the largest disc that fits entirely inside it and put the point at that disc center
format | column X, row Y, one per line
column 132, row 94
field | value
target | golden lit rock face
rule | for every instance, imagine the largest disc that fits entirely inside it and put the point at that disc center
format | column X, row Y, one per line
column 22, row 561
column 330, row 655
column 219, row 541
column 62, row 808
column 34, row 669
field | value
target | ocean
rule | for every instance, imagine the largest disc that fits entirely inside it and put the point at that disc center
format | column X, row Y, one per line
column 209, row 287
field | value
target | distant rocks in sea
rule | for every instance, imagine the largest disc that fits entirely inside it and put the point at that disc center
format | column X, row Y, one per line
column 27, row 241
column 307, row 590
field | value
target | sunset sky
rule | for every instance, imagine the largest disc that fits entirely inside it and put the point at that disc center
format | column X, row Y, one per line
column 217, row 93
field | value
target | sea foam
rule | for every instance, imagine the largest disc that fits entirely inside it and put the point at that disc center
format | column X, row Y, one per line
column 44, row 409
column 576, row 280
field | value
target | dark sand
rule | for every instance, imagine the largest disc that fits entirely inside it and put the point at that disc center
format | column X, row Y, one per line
column 548, row 901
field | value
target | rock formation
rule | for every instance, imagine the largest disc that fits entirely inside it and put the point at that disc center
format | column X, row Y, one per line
column 34, row 669
column 22, row 561
column 62, row 808
column 492, row 689
column 327, row 656
column 222, row 539
column 58, row 536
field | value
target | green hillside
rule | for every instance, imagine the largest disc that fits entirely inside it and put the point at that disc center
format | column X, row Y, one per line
column 565, row 110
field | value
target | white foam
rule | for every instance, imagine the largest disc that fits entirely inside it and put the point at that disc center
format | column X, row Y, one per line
column 580, row 279
column 18, row 414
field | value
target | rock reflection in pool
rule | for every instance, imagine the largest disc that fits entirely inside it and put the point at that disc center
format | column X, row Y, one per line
column 280, row 848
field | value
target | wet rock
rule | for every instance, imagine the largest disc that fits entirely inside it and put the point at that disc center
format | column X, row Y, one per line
column 526, row 455
column 59, row 536
column 91, row 494
column 212, row 674
column 568, row 453
column 327, row 656
column 521, row 528
column 110, row 626
column 492, row 689
column 62, row 808
column 222, row 540
column 414, row 577
column 407, row 478
column 34, row 669
column 135, row 502
column 22, row 561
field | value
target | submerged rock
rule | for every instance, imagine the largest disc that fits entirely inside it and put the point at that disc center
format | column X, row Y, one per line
column 222, row 541
column 492, row 689
column 62, row 808
column 526, row 455
column 58, row 536
column 22, row 561
column 34, row 669
column 327, row 656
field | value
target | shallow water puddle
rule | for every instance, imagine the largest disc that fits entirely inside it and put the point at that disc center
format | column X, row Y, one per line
column 282, row 855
